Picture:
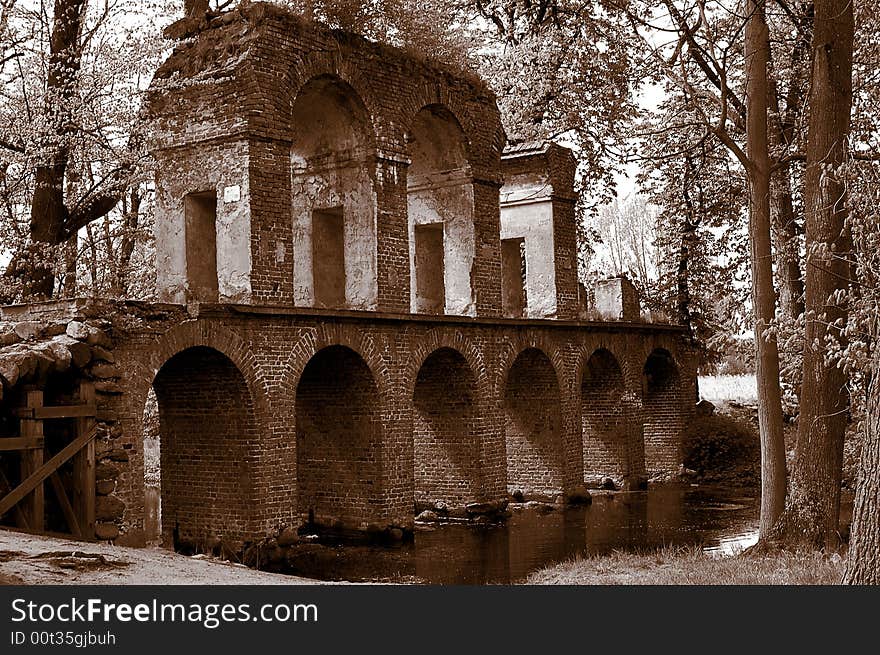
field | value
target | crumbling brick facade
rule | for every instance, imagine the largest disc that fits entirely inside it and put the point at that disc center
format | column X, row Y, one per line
column 282, row 403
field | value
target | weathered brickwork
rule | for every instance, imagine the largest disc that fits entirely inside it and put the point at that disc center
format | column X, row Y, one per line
column 267, row 413
column 533, row 427
column 446, row 432
column 276, row 409
column 207, row 428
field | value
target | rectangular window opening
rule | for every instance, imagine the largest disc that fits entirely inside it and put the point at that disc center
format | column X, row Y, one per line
column 430, row 284
column 200, row 210
column 513, row 277
column 328, row 257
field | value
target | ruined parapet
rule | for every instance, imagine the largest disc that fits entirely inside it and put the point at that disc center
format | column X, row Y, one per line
column 284, row 152
column 539, row 241
column 616, row 299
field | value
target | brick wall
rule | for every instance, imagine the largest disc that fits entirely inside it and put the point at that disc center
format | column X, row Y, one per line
column 207, row 427
column 533, row 427
column 604, row 417
column 664, row 418
column 446, row 448
column 338, row 440
column 422, row 412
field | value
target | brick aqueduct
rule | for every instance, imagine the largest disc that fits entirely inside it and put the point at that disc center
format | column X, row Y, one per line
column 369, row 307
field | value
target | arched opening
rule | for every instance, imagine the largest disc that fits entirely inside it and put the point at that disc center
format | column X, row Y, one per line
column 334, row 204
column 440, row 206
column 446, row 438
column 662, row 411
column 207, row 429
column 606, row 423
column 338, row 441
column 533, row 427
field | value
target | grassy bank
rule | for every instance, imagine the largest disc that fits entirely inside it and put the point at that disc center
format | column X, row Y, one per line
column 689, row 565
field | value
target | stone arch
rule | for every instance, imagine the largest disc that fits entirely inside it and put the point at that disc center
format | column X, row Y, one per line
column 606, row 423
column 327, row 335
column 440, row 213
column 533, row 424
column 512, row 349
column 436, row 339
column 209, row 444
column 447, row 432
column 141, row 373
column 324, row 63
column 440, row 94
column 334, row 200
column 338, row 440
column 663, row 417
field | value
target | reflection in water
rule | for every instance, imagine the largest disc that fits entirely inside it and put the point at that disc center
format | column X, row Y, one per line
column 531, row 539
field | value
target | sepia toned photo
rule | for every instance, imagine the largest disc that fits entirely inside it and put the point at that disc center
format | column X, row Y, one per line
column 440, row 293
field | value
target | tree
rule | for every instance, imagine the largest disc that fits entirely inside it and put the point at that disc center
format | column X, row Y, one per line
column 71, row 146
column 702, row 61
column 813, row 505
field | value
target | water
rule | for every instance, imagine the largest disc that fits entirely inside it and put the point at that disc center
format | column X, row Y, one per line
column 722, row 521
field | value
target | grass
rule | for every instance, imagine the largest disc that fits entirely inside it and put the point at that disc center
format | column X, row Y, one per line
column 724, row 388
column 690, row 565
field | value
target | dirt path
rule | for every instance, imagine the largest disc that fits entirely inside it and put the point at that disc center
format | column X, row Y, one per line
column 34, row 560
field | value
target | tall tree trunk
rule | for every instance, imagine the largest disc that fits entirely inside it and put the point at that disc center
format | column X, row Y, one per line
column 757, row 56
column 782, row 136
column 49, row 213
column 785, row 229
column 813, row 507
column 130, row 218
column 863, row 556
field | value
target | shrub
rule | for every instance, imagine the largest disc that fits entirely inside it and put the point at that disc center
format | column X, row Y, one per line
column 722, row 449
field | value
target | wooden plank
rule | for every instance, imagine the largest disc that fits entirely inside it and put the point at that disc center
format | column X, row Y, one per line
column 33, row 507
column 56, row 411
column 64, row 501
column 83, row 490
column 36, row 478
column 20, row 519
column 20, row 443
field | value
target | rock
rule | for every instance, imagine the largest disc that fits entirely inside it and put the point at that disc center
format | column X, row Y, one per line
column 28, row 329
column 8, row 338
column 80, row 353
column 488, row 507
column 105, row 371
column 60, row 354
column 580, row 495
column 396, row 534
column 105, row 487
column 427, row 516
column 608, row 484
column 108, row 508
column 441, row 506
column 288, row 537
column 518, row 496
column 106, row 471
column 108, row 387
column 77, row 330
column 705, row 408
column 9, row 371
column 117, row 455
column 98, row 338
column 102, row 354
column 106, row 531
column 54, row 329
